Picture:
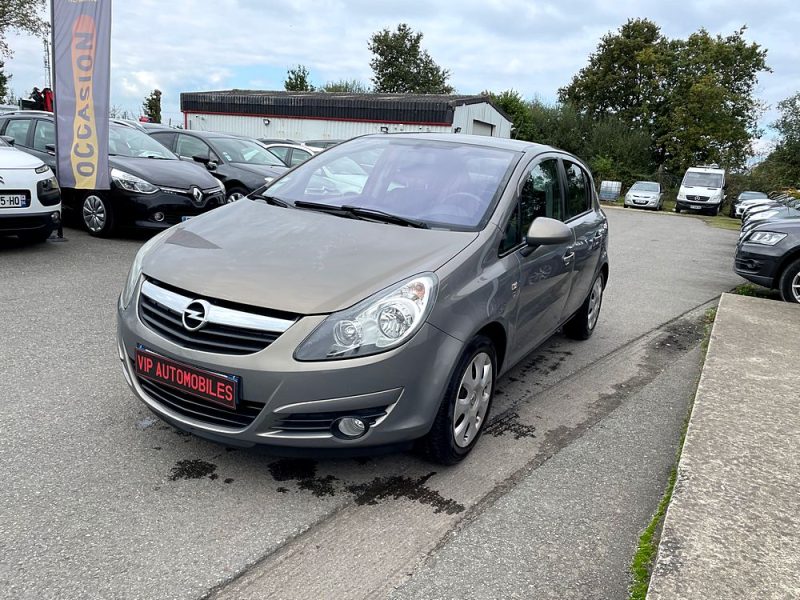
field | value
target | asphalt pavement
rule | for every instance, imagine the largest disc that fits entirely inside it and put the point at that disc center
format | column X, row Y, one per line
column 102, row 500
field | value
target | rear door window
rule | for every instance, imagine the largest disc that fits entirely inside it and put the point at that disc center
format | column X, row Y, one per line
column 44, row 135
column 578, row 193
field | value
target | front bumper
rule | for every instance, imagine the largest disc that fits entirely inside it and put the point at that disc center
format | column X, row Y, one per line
column 641, row 202
column 22, row 223
column 697, row 205
column 758, row 263
column 142, row 210
column 407, row 384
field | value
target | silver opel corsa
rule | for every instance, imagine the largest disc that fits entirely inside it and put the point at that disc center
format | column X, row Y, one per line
column 369, row 297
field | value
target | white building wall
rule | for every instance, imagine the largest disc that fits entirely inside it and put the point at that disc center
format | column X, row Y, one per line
column 297, row 129
column 466, row 115
column 321, row 129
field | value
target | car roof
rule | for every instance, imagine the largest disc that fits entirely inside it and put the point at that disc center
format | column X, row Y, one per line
column 28, row 113
column 705, row 170
column 475, row 140
column 213, row 134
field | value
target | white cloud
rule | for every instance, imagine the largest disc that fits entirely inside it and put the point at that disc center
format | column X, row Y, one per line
column 535, row 48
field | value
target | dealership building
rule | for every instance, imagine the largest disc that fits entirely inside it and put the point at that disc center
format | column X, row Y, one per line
column 318, row 115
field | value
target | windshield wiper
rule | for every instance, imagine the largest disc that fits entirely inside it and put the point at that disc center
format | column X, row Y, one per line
column 274, row 201
column 379, row 215
column 367, row 214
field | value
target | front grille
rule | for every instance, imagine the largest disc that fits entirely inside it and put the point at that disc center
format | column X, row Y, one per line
column 161, row 309
column 195, row 408
column 322, row 421
column 697, row 198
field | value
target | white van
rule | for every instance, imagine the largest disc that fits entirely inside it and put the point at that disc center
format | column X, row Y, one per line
column 702, row 190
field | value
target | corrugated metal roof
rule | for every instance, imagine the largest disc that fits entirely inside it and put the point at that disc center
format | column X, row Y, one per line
column 392, row 108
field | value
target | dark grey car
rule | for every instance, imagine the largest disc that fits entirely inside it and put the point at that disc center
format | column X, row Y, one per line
column 241, row 164
column 344, row 308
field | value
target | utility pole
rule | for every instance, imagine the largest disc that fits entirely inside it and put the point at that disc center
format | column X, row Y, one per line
column 48, row 81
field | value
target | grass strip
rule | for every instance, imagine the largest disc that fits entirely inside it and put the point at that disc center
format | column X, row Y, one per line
column 645, row 556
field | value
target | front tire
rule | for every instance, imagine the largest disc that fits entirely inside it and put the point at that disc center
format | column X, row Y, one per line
column 97, row 215
column 581, row 325
column 789, row 282
column 465, row 407
column 677, row 209
column 235, row 194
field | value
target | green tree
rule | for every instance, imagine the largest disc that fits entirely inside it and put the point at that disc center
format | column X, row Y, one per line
column 297, row 80
column 625, row 76
column 693, row 97
column 352, row 86
column 518, row 109
column 4, row 79
column 781, row 168
column 152, row 106
column 401, row 65
column 23, row 16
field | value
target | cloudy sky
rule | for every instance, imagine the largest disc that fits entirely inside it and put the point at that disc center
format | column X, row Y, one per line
column 531, row 46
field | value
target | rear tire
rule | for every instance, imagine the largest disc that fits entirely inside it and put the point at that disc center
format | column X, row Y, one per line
column 789, row 282
column 465, row 407
column 97, row 215
column 582, row 324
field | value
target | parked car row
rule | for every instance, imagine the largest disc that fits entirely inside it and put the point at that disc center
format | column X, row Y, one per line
column 768, row 252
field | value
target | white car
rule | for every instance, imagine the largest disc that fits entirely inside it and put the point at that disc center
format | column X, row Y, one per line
column 30, row 198
column 644, row 194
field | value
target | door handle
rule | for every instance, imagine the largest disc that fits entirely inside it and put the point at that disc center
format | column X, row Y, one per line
column 568, row 258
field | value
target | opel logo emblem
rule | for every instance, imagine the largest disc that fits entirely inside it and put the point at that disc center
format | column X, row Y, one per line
column 195, row 316
column 197, row 194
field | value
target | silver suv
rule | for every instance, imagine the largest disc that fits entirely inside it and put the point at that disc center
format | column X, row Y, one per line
column 371, row 296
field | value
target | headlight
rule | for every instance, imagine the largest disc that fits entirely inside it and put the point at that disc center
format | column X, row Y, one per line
column 132, row 183
column 681, row 196
column 136, row 270
column 379, row 323
column 766, row 238
column 42, row 169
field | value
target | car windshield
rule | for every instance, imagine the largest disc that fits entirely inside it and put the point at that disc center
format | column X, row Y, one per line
column 236, row 150
column 645, row 186
column 441, row 184
column 126, row 141
column 697, row 179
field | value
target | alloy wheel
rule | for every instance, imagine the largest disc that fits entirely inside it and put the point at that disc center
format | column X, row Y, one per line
column 472, row 401
column 595, row 300
column 795, row 287
column 233, row 197
column 95, row 215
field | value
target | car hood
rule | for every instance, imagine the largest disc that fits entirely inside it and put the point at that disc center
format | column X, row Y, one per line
column 166, row 173
column 786, row 225
column 639, row 194
column 262, row 170
column 11, row 158
column 294, row 260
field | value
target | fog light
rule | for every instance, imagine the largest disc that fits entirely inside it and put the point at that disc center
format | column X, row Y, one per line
column 55, row 217
column 349, row 428
column 159, row 216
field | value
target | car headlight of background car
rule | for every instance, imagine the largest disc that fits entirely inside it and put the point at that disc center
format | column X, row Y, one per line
column 379, row 323
column 766, row 238
column 132, row 183
column 42, row 169
column 136, row 270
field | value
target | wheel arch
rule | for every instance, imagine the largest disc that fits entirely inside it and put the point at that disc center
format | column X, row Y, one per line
column 496, row 332
column 788, row 258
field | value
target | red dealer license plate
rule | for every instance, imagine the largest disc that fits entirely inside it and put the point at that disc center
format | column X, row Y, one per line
column 215, row 388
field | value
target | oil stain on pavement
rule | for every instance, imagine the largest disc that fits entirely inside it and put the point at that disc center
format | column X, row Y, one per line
column 399, row 486
column 193, row 469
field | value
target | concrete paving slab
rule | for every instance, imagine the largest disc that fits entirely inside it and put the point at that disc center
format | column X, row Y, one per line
column 733, row 527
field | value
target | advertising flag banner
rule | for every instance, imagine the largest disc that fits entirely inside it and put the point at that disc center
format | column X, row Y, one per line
column 82, row 70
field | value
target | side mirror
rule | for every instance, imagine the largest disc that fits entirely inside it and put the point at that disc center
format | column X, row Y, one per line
column 547, row 232
column 51, row 148
column 8, row 140
column 211, row 165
